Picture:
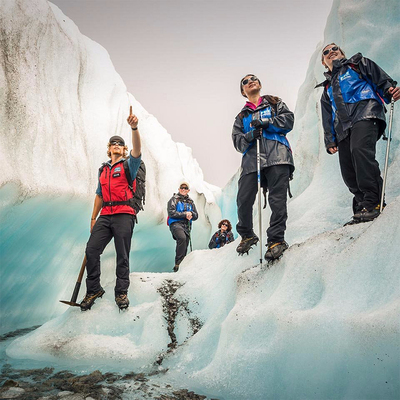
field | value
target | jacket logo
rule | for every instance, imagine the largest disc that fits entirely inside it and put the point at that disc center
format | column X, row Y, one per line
column 117, row 169
column 345, row 76
column 265, row 113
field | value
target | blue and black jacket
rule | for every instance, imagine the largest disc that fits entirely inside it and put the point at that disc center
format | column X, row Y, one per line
column 277, row 120
column 220, row 239
column 355, row 90
column 178, row 206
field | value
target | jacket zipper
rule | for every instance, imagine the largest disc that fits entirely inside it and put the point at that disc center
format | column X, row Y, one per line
column 109, row 187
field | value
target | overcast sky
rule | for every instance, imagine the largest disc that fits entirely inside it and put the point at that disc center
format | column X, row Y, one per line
column 183, row 60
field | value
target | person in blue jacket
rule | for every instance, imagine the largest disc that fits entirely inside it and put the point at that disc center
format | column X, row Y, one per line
column 181, row 212
column 223, row 236
column 269, row 119
column 353, row 119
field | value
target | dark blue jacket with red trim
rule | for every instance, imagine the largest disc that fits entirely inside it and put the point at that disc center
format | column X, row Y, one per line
column 354, row 90
column 274, row 147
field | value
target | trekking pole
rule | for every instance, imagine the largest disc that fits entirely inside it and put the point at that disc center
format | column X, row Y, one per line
column 259, row 196
column 389, row 139
column 190, row 236
column 77, row 287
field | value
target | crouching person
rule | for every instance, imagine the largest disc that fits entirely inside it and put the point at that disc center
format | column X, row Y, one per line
column 223, row 236
column 181, row 212
column 117, row 217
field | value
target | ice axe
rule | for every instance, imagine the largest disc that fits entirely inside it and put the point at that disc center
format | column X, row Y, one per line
column 389, row 139
column 77, row 286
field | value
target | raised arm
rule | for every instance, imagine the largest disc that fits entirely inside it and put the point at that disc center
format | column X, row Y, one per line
column 136, row 144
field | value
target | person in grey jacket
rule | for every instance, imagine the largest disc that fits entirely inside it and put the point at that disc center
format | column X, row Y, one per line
column 268, row 119
column 181, row 212
column 353, row 119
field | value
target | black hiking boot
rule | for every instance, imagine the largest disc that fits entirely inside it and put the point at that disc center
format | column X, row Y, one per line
column 122, row 301
column 176, row 268
column 275, row 250
column 365, row 215
column 88, row 301
column 245, row 244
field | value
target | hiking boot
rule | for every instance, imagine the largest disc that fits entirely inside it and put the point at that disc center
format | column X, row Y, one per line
column 122, row 301
column 275, row 250
column 176, row 268
column 246, row 243
column 88, row 301
column 364, row 215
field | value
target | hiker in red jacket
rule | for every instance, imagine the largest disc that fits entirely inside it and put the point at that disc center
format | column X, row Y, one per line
column 117, row 217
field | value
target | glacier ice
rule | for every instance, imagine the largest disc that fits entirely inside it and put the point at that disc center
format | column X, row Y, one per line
column 60, row 127
column 322, row 323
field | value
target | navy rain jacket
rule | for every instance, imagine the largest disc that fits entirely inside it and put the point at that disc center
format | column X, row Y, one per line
column 274, row 147
column 354, row 90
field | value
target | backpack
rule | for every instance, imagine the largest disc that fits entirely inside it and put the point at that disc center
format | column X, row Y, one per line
column 139, row 195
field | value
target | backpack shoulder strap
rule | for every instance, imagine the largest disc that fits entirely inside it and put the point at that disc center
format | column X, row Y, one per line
column 355, row 68
column 128, row 173
column 102, row 167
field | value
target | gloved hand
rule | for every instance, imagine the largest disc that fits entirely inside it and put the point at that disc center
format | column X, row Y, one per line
column 256, row 133
column 256, row 123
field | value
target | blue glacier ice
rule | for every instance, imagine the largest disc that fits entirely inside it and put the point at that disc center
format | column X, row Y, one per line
column 322, row 323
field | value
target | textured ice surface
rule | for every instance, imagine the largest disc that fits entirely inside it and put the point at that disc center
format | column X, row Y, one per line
column 60, row 101
column 322, row 323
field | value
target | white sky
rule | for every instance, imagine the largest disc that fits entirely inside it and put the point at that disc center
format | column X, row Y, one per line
column 183, row 60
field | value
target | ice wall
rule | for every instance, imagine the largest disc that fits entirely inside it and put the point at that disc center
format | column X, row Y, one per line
column 60, row 101
column 322, row 323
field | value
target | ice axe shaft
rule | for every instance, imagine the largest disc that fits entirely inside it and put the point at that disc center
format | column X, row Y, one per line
column 389, row 139
column 77, row 286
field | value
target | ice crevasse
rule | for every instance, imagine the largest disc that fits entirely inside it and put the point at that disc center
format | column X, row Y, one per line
column 323, row 322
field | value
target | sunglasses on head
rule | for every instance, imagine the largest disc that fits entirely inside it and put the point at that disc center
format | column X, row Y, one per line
column 184, row 188
column 116, row 143
column 327, row 51
column 247, row 80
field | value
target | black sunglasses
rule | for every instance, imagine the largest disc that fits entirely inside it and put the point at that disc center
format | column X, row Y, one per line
column 224, row 224
column 184, row 188
column 327, row 51
column 116, row 143
column 246, row 81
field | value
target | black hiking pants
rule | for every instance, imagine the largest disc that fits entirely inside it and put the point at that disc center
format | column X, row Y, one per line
column 117, row 226
column 276, row 178
column 180, row 233
column 359, row 168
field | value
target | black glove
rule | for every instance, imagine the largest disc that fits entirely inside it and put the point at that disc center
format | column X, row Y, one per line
column 258, row 124
column 256, row 133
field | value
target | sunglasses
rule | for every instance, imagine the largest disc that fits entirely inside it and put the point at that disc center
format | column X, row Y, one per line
column 327, row 51
column 224, row 224
column 184, row 188
column 251, row 79
column 116, row 143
